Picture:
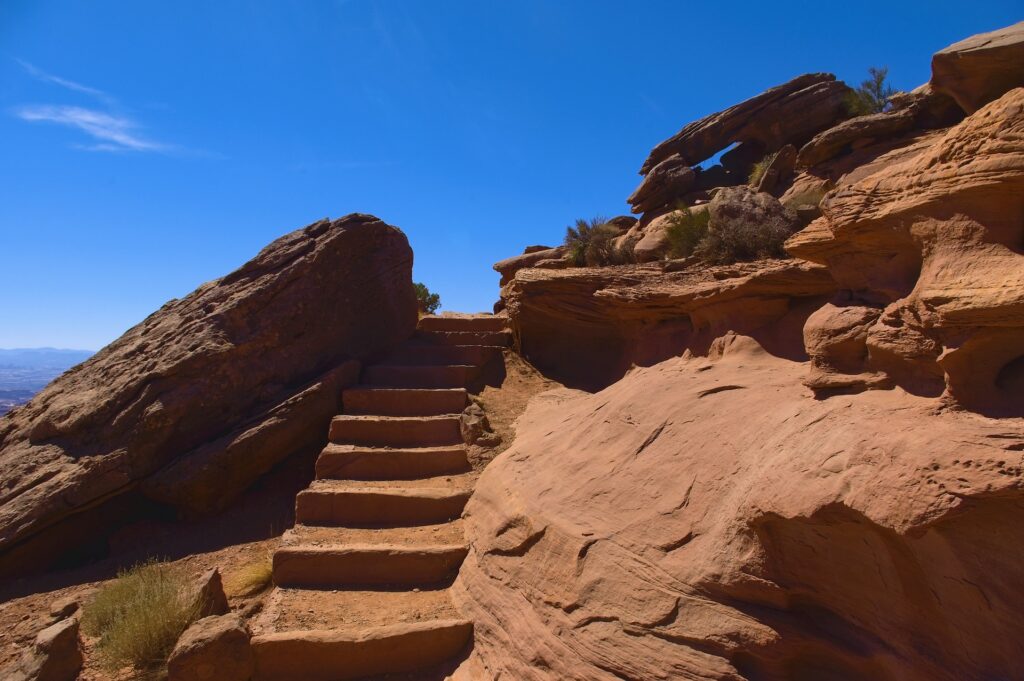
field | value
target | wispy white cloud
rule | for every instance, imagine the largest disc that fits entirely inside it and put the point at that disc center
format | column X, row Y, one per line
column 112, row 132
column 111, row 129
column 39, row 74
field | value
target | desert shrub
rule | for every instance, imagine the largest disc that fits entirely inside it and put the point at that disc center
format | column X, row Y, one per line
column 427, row 301
column 625, row 252
column 740, row 241
column 252, row 577
column 590, row 242
column 873, row 94
column 685, row 231
column 139, row 616
column 759, row 169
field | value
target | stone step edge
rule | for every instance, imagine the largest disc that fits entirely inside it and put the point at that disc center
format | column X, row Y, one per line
column 366, row 564
column 322, row 655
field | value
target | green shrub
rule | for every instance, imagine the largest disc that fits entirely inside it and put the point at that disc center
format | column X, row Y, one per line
column 427, row 301
column 685, row 231
column 873, row 94
column 590, row 242
column 760, row 168
column 139, row 616
column 739, row 241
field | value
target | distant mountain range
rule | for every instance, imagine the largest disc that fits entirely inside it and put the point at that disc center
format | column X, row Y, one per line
column 26, row 371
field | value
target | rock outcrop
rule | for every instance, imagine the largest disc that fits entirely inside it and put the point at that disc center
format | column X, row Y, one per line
column 215, row 647
column 707, row 518
column 933, row 243
column 981, row 68
column 860, row 131
column 791, row 113
column 587, row 326
column 55, row 655
column 195, row 403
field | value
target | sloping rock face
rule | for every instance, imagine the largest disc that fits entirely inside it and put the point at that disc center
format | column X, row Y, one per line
column 981, row 68
column 587, row 326
column 208, row 393
column 707, row 518
column 932, row 246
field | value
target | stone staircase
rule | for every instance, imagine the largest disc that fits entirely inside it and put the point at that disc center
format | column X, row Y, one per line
column 361, row 580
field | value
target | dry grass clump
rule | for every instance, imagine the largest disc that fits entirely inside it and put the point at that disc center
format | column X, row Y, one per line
column 139, row 616
column 592, row 243
column 685, row 232
column 760, row 168
column 743, row 242
column 251, row 578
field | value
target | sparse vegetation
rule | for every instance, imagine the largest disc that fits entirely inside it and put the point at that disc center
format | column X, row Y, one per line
column 738, row 241
column 758, row 170
column 428, row 302
column 590, row 243
column 686, row 230
column 251, row 578
column 139, row 616
column 873, row 94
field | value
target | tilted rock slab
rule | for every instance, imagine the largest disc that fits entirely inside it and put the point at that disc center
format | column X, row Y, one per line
column 982, row 68
column 789, row 113
column 707, row 518
column 208, row 393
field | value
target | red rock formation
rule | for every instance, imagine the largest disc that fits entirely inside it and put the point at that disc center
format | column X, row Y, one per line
column 980, row 69
column 789, row 113
column 707, row 518
column 208, row 393
column 933, row 242
column 587, row 326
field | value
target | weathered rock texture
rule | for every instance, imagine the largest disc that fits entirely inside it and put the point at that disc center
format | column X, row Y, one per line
column 587, row 326
column 981, row 68
column 214, row 648
column 707, row 518
column 932, row 240
column 195, row 403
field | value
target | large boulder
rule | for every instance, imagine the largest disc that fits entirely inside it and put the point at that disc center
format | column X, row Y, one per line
column 192, row 405
column 708, row 518
column 982, row 68
column 932, row 239
column 790, row 113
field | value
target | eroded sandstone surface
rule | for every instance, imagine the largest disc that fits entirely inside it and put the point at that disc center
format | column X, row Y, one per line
column 707, row 518
column 208, row 393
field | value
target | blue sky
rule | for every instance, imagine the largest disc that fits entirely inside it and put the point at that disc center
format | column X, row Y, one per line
column 150, row 147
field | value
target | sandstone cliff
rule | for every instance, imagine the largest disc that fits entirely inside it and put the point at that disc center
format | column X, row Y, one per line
column 207, row 394
column 823, row 477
